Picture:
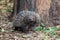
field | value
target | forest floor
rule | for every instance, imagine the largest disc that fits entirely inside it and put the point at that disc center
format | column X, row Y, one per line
column 6, row 33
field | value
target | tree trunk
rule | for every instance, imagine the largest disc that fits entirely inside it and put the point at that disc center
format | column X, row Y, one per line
column 13, row 14
column 40, row 6
column 54, row 12
column 27, row 5
column 20, row 5
column 43, row 9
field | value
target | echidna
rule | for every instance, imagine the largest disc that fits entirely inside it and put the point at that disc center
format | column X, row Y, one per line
column 26, row 20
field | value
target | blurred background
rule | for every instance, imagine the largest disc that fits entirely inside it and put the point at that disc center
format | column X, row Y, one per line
column 49, row 11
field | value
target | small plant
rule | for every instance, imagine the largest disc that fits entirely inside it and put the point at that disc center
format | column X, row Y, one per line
column 2, row 30
column 51, row 30
column 40, row 27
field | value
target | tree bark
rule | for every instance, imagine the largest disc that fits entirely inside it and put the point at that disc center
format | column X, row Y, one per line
column 20, row 5
column 13, row 14
column 40, row 6
column 54, row 12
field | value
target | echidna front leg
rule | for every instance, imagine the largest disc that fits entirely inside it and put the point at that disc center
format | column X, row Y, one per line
column 24, row 29
column 21, row 28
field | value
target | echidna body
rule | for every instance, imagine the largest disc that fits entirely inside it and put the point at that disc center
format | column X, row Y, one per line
column 26, row 20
